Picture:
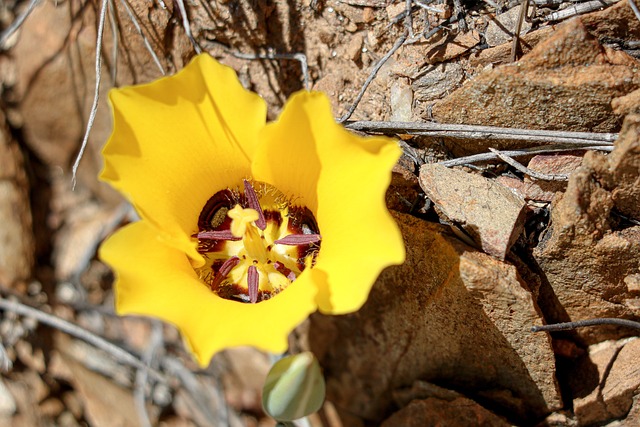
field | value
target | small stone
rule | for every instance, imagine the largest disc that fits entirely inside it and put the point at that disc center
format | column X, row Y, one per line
column 611, row 395
column 368, row 15
column 401, row 101
column 550, row 164
column 488, row 211
column 7, row 402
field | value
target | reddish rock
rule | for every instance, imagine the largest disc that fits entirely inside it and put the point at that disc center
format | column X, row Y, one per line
column 607, row 382
column 550, row 164
column 449, row 315
column 432, row 412
column 567, row 82
column 588, row 252
column 488, row 211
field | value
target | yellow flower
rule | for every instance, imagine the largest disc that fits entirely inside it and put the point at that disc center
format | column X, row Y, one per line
column 246, row 227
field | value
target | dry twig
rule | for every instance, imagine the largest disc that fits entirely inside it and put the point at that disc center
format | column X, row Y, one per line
column 74, row 330
column 17, row 23
column 372, row 76
column 522, row 168
column 96, row 95
column 584, row 323
column 455, row 131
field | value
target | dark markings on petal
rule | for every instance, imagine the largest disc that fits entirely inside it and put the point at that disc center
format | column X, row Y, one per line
column 252, row 201
column 298, row 239
column 253, row 280
column 221, row 274
column 274, row 217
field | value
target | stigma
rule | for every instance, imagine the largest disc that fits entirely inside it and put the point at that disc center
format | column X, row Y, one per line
column 255, row 242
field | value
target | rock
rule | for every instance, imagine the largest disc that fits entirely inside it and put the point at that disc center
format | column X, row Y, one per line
column 105, row 402
column 501, row 28
column 550, row 164
column 488, row 211
column 449, row 315
column 7, row 402
column 623, row 165
column 16, row 235
column 429, row 412
column 452, row 46
column 502, row 54
column 608, row 381
column 436, row 81
column 627, row 104
column 614, row 22
column 401, row 101
column 585, row 254
column 567, row 82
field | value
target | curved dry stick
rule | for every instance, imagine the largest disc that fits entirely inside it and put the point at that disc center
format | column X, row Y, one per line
column 96, row 95
column 81, row 333
column 566, row 326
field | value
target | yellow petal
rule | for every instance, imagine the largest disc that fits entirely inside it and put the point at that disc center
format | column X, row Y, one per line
column 343, row 179
column 155, row 279
column 179, row 140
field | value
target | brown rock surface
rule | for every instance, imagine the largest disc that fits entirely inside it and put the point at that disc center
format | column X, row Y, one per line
column 430, row 412
column 449, row 315
column 490, row 212
column 16, row 237
column 551, row 164
column 608, row 381
column 567, row 82
column 586, row 257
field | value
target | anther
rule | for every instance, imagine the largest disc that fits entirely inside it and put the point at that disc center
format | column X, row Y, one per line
column 253, row 280
column 298, row 239
column 252, row 200
column 224, row 270
column 217, row 235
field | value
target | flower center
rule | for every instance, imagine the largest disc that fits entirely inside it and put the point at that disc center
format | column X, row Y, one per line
column 255, row 242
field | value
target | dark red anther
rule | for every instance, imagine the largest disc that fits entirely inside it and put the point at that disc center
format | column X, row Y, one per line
column 253, row 281
column 298, row 239
column 217, row 235
column 224, row 270
column 252, row 200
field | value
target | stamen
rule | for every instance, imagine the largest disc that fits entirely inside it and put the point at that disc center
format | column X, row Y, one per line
column 252, row 200
column 253, row 280
column 217, row 235
column 298, row 239
column 224, row 270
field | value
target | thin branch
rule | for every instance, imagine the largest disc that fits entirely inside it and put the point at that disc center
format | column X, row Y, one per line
column 584, row 323
column 300, row 57
column 483, row 157
column 17, row 23
column 145, row 40
column 578, row 9
column 78, row 332
column 456, row 131
column 187, row 26
column 526, row 170
column 515, row 46
column 116, row 33
column 96, row 95
column 372, row 76
column 139, row 395
column 632, row 3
